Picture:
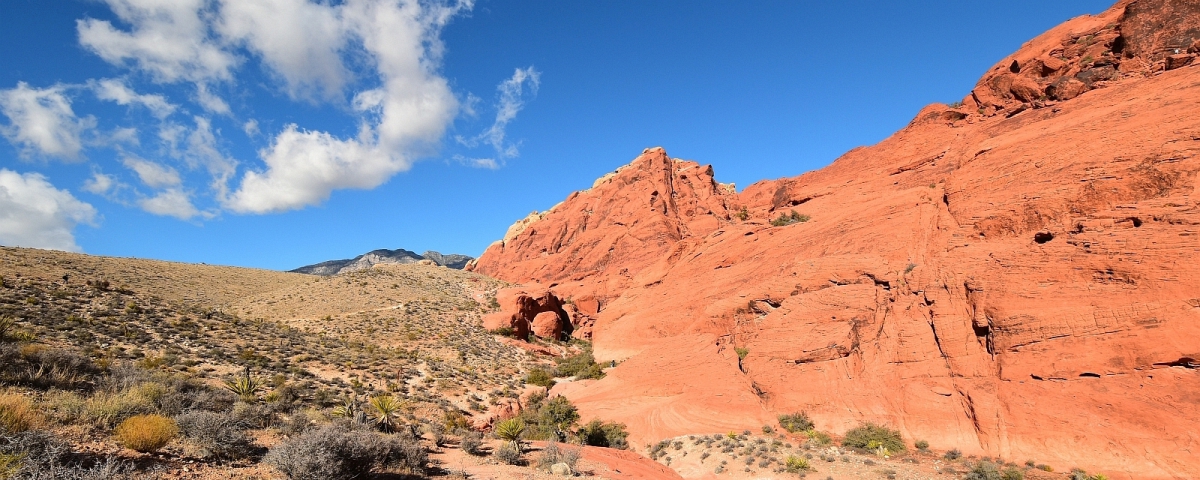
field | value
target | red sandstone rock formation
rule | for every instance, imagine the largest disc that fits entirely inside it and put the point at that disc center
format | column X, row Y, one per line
column 526, row 311
column 1016, row 282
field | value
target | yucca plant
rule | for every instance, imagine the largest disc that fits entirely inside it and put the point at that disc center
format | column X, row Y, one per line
column 511, row 430
column 245, row 387
column 350, row 409
column 795, row 464
column 386, row 412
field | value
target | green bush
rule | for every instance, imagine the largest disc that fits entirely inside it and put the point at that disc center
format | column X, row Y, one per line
column 986, row 470
column 604, row 434
column 581, row 366
column 795, row 422
column 789, row 218
column 922, row 445
column 870, row 437
column 540, row 377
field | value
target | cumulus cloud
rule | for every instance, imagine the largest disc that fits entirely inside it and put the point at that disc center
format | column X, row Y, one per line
column 100, row 184
column 172, row 202
column 42, row 122
column 35, row 214
column 115, row 90
column 401, row 119
column 169, row 39
column 299, row 40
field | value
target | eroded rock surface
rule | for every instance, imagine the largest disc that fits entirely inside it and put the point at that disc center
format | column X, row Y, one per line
column 1011, row 278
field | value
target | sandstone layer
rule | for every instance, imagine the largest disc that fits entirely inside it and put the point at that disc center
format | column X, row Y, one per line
column 1010, row 277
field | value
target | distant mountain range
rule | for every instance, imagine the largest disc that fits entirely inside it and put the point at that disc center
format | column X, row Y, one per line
column 383, row 256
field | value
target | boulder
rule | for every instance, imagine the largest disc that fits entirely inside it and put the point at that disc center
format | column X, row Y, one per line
column 1065, row 88
column 1179, row 60
column 561, row 469
column 549, row 324
column 1026, row 89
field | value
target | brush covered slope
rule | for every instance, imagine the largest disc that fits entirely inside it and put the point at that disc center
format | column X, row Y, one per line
column 1009, row 276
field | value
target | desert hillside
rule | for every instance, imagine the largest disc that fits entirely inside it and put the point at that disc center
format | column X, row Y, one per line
column 1009, row 275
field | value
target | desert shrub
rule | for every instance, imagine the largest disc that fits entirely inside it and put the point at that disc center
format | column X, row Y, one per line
column 795, row 422
column 471, row 443
column 554, row 454
column 219, row 435
column 17, row 414
column 581, row 366
column 922, row 445
column 540, row 377
column 454, row 421
column 508, row 454
column 41, row 367
column 255, row 415
column 870, row 437
column 953, row 454
column 107, row 409
column 604, row 434
column 335, row 451
column 146, row 433
column 38, row 455
column 789, row 218
column 985, row 470
column 819, row 439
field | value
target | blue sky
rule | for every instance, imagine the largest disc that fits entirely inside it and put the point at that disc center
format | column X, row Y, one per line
column 278, row 133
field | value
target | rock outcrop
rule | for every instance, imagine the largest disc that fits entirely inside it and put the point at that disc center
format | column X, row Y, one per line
column 383, row 257
column 1015, row 282
column 524, row 311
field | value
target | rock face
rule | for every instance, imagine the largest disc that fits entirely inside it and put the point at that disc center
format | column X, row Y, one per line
column 1015, row 282
column 383, row 256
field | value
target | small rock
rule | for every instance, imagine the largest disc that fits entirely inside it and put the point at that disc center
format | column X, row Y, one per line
column 561, row 469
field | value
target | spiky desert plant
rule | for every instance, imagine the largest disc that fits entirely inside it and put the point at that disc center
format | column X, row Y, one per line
column 386, row 412
column 246, row 388
column 350, row 409
column 511, row 430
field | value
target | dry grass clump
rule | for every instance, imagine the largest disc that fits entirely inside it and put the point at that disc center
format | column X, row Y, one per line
column 17, row 414
column 146, row 433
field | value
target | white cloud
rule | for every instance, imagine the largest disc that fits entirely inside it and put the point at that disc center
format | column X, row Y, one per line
column 172, row 202
column 35, row 214
column 169, row 39
column 299, row 40
column 403, row 118
column 488, row 163
column 511, row 100
column 100, row 184
column 250, row 127
column 115, row 90
column 211, row 101
column 42, row 122
column 153, row 174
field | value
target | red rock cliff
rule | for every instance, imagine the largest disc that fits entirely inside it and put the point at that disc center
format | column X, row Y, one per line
column 1013, row 277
